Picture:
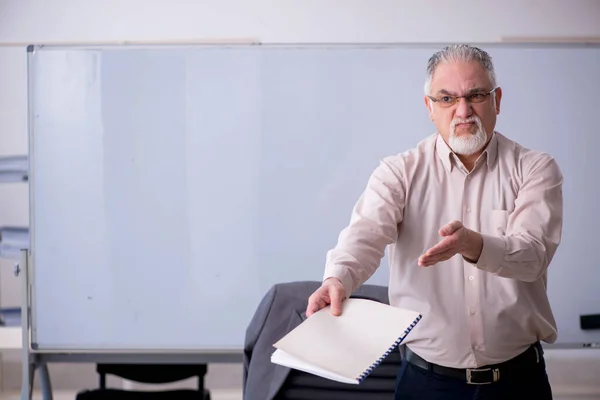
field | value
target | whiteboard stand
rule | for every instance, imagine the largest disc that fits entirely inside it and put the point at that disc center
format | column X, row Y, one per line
column 30, row 363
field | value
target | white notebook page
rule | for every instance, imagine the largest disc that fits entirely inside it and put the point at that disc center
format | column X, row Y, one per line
column 349, row 344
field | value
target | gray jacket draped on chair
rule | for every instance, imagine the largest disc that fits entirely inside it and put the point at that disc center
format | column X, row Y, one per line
column 281, row 310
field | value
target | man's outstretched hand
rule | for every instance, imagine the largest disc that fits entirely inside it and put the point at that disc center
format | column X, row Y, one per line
column 331, row 292
column 456, row 240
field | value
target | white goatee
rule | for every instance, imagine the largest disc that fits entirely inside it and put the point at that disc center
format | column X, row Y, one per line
column 469, row 143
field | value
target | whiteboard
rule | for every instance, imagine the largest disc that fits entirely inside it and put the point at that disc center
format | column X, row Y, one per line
column 171, row 187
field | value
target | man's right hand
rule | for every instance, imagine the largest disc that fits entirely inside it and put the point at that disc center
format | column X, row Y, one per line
column 331, row 292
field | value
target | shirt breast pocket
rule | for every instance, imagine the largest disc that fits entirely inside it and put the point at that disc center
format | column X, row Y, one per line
column 498, row 222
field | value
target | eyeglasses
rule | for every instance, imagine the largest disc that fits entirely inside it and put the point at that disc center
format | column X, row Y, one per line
column 449, row 101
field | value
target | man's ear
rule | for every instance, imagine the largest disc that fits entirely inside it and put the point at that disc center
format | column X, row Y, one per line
column 429, row 106
column 498, row 94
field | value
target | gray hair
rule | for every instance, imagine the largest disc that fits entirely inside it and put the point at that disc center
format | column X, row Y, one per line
column 459, row 52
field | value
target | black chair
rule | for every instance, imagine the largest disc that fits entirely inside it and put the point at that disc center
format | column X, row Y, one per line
column 380, row 384
column 149, row 373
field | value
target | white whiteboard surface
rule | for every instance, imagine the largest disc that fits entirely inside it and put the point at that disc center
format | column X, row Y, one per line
column 171, row 187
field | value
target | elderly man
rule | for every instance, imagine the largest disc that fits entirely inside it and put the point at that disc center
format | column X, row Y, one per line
column 472, row 220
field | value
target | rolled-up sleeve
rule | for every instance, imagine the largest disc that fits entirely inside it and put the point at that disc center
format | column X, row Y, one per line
column 373, row 226
column 534, row 227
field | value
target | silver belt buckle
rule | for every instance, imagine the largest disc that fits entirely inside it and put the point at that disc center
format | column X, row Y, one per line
column 495, row 375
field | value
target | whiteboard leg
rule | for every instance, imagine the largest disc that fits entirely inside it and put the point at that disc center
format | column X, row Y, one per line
column 45, row 384
column 27, row 381
column 28, row 368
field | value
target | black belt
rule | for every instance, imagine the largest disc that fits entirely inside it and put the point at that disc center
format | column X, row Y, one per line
column 529, row 359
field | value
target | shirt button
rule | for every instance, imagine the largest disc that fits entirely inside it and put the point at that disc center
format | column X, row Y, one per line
column 472, row 312
column 476, row 347
column 468, row 209
column 471, row 277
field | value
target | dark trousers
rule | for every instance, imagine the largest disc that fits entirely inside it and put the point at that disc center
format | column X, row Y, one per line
column 417, row 383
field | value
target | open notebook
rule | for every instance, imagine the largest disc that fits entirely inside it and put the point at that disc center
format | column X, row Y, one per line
column 348, row 347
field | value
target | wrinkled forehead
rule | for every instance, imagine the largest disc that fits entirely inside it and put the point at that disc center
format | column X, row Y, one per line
column 460, row 77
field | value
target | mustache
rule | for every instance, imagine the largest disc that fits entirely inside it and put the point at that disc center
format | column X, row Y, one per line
column 457, row 121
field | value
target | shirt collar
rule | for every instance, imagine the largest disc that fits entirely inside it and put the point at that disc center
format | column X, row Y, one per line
column 446, row 154
column 492, row 150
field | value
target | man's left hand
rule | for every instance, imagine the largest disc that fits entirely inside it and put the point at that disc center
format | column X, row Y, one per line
column 456, row 240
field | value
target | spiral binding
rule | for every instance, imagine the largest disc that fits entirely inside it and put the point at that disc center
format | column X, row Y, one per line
column 387, row 353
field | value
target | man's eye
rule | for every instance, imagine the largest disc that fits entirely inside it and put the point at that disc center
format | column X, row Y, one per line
column 447, row 99
column 476, row 97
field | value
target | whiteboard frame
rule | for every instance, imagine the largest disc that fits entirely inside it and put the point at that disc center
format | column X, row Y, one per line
column 30, row 263
column 193, row 355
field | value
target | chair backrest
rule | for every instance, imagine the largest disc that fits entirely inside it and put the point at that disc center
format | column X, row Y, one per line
column 151, row 373
column 148, row 373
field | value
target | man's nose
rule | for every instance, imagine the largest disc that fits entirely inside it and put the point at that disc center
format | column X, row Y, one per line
column 463, row 109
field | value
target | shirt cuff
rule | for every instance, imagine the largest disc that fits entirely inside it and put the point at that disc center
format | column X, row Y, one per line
column 492, row 253
column 341, row 272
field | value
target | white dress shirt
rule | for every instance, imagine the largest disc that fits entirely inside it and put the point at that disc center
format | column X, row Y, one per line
column 473, row 314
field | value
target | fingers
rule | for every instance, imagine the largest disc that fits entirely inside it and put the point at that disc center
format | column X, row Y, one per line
column 314, row 305
column 445, row 249
column 429, row 260
column 444, row 245
column 442, row 251
column 336, row 301
column 450, row 228
column 336, row 294
column 329, row 293
column 316, row 302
